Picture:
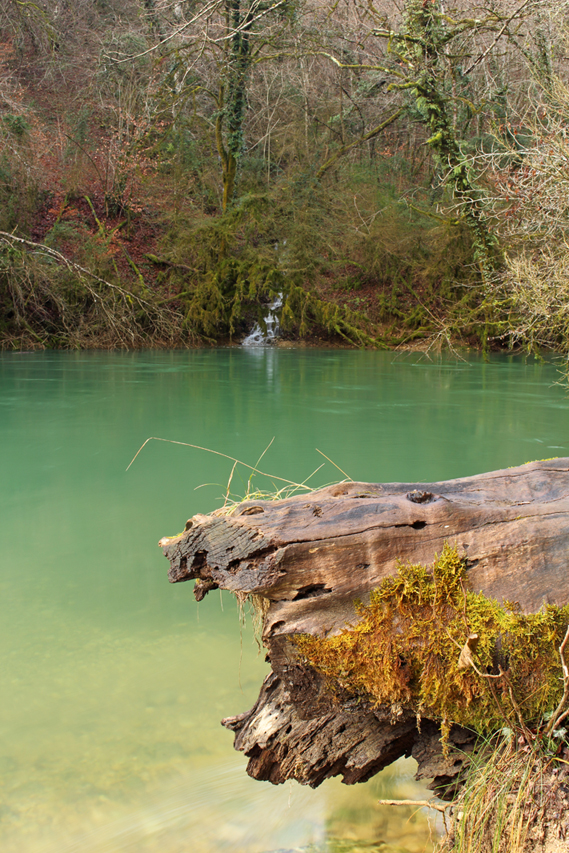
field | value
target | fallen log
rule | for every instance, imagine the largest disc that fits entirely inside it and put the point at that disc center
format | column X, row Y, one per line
column 306, row 560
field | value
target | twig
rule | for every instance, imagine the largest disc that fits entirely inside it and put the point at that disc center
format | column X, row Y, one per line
column 156, row 260
column 561, row 711
column 429, row 804
column 210, row 7
column 53, row 253
column 466, row 661
column 515, row 705
column 491, row 46
column 345, row 148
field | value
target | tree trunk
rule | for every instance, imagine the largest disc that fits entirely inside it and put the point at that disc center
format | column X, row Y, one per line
column 309, row 558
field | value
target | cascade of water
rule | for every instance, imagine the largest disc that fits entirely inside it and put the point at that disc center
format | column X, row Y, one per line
column 259, row 338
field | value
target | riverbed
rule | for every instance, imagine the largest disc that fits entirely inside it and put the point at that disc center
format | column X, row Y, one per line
column 113, row 681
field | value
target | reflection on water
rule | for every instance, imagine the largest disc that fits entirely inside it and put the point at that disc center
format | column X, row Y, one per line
column 220, row 809
column 113, row 682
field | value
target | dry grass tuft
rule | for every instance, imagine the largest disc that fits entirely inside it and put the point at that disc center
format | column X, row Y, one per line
column 515, row 801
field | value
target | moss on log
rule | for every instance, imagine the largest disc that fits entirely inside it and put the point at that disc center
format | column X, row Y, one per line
column 307, row 560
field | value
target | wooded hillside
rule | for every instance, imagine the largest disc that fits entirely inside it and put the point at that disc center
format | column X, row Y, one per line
column 398, row 170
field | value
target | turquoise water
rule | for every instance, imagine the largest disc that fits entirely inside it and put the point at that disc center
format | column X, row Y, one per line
column 113, row 682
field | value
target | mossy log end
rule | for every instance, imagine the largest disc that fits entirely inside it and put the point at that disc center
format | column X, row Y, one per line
column 307, row 560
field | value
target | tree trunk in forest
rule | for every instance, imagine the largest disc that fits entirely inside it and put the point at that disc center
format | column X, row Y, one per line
column 425, row 43
column 232, row 104
column 307, row 560
column 227, row 157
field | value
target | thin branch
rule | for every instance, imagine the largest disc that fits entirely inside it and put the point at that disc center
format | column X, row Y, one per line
column 360, row 66
column 245, row 26
column 429, row 804
column 367, row 136
column 53, row 253
column 561, row 711
column 491, row 46
column 156, row 260
column 209, row 8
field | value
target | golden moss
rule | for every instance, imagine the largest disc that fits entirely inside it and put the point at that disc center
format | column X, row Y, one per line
column 406, row 645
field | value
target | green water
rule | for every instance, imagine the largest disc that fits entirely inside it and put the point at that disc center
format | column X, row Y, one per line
column 112, row 681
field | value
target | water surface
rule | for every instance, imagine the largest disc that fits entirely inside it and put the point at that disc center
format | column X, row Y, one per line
column 113, row 682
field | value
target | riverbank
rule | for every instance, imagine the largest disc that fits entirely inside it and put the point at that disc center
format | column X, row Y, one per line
column 149, row 200
column 87, row 279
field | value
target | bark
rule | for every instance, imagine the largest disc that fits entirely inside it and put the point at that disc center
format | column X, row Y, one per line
column 309, row 558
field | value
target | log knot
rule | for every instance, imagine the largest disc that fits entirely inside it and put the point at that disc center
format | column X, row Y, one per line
column 418, row 497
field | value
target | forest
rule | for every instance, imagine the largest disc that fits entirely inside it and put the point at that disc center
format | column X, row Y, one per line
column 397, row 170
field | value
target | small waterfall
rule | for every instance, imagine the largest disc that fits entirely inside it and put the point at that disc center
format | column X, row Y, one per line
column 259, row 338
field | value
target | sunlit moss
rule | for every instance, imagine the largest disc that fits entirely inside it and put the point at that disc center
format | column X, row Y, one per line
column 405, row 648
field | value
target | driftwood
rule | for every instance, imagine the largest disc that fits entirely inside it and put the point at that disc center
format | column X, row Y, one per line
column 308, row 558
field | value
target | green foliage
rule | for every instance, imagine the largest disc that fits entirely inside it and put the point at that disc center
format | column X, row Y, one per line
column 302, row 310
column 425, row 43
column 228, row 268
column 313, row 244
column 16, row 125
column 405, row 649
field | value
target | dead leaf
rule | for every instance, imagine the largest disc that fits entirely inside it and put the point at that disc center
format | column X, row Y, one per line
column 466, row 659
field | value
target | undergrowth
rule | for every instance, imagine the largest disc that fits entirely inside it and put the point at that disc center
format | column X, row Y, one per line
column 352, row 262
column 514, row 800
column 50, row 301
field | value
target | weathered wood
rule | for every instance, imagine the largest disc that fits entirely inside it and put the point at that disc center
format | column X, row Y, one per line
column 309, row 558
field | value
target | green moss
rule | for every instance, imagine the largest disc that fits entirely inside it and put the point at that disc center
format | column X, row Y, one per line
column 406, row 645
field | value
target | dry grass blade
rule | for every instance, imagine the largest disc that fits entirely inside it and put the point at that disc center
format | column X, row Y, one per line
column 252, row 468
column 335, row 466
column 258, row 462
column 505, row 803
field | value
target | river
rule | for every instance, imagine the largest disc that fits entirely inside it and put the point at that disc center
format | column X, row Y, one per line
column 113, row 682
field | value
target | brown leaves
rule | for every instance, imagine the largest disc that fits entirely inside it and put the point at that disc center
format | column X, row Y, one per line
column 466, row 659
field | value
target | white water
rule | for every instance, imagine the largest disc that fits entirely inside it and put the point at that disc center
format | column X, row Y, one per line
column 259, row 338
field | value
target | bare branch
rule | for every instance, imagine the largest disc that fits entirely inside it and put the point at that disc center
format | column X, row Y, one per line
column 53, row 253
column 491, row 46
column 428, row 804
column 562, row 710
